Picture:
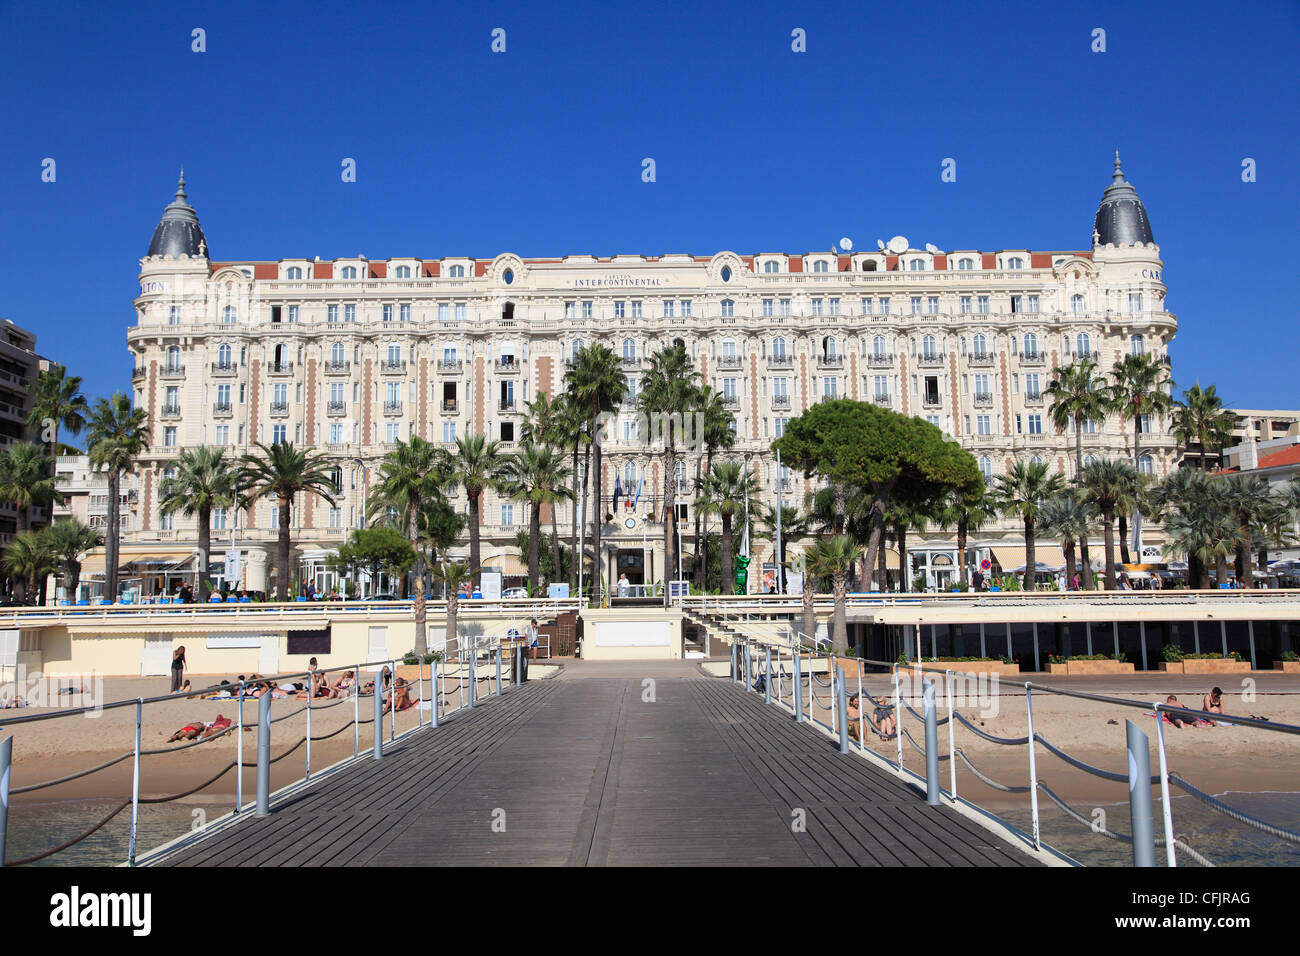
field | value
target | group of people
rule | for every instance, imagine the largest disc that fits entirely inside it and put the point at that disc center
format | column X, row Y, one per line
column 1211, row 703
column 881, row 720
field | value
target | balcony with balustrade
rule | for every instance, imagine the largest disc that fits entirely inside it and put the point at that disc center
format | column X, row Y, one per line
column 450, row 406
column 507, row 366
column 392, row 367
column 336, row 409
column 222, row 410
column 980, row 359
column 279, row 368
column 784, row 360
column 931, row 400
column 279, row 409
column 507, row 405
column 983, row 399
column 830, row 361
column 337, row 367
column 883, row 399
column 138, row 374
column 449, row 366
column 173, row 371
column 1033, row 398
column 880, row 359
column 929, row 360
column 1033, row 358
column 169, row 411
column 780, row 402
column 728, row 362
column 225, row 369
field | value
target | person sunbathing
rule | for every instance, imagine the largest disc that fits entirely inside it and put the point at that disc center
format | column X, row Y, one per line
column 402, row 694
column 345, row 685
column 881, row 720
column 1213, row 702
column 217, row 726
column 190, row 731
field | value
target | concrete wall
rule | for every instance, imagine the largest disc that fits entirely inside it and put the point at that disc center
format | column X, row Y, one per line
column 631, row 634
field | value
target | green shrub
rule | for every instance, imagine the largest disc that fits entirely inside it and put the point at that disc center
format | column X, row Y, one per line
column 1172, row 653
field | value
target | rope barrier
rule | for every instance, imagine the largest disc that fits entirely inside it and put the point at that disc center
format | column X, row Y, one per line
column 1088, row 768
column 989, row 781
column 1008, row 741
column 1238, row 815
column 75, row 840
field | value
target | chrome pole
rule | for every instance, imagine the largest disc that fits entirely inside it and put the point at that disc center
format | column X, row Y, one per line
column 952, row 756
column 311, row 692
column 1167, row 811
column 931, row 744
column 435, row 693
column 1139, row 794
column 356, row 711
column 264, row 754
column 392, row 700
column 898, row 715
column 135, row 783
column 239, row 751
column 6, row 760
column 378, row 751
column 1033, row 765
column 841, row 706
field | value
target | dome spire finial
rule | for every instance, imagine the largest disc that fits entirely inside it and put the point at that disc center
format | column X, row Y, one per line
column 1118, row 175
column 180, row 187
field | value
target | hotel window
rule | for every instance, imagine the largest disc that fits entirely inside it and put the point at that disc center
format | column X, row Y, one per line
column 174, row 359
column 331, row 313
column 769, row 307
column 916, row 265
column 965, row 265
column 449, row 431
column 404, row 313
column 982, row 385
column 686, row 308
column 278, row 434
column 1015, row 262
column 336, row 434
column 830, row 386
column 932, row 305
column 880, row 385
column 816, row 306
column 336, row 517
column 279, row 395
column 636, row 308
column 570, row 310
column 223, row 356
column 986, row 467
column 221, row 435
column 928, row 347
column 629, row 350
column 1144, row 424
column 979, row 344
column 392, row 432
column 821, row 265
column 460, row 311
column 778, row 350
column 933, row 420
column 223, row 396
column 349, row 313
column 1083, row 345
column 866, row 306
column 629, row 430
column 728, row 309
column 878, row 347
column 916, row 305
column 336, row 353
column 984, row 424
column 336, row 393
column 174, row 315
column 1145, row 465
column 771, row 266
column 586, row 310
column 1031, row 344
column 275, row 517
column 982, row 305
column 668, row 308
column 833, row 307
column 729, row 392
column 456, row 272
column 166, row 521
column 620, row 310
column 1134, row 302
column 349, row 272
column 785, row 307
column 630, row 392
column 884, row 306
column 218, row 519
column 1031, row 385
column 1035, row 424
column 779, row 388
column 1135, row 344
column 293, row 272
column 1076, row 304
column 1031, row 303
column 229, row 315
column 293, row 313
column 1090, row 426
column 965, row 305
column 778, row 426
column 507, row 515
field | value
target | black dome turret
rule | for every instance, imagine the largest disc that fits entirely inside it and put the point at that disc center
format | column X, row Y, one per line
column 1121, row 217
column 179, row 233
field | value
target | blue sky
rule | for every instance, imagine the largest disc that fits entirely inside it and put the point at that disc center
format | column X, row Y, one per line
column 538, row 150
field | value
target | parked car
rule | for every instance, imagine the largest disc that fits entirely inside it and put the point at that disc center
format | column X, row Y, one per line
column 515, row 593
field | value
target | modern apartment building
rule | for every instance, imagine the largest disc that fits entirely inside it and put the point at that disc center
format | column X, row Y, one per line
column 350, row 355
column 19, row 366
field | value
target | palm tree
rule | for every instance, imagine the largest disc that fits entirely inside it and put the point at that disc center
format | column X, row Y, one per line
column 453, row 575
column 410, row 476
column 571, row 425
column 115, row 435
column 1199, row 521
column 1201, row 418
column 726, row 490
column 1251, row 504
column 718, row 427
column 900, row 518
column 537, row 476
column 205, row 479
column 478, row 465
column 1022, row 493
column 1066, row 517
column 1078, row 396
column 25, row 480
column 542, row 423
column 57, row 403
column 281, row 471
column 30, row 556
column 669, row 391
column 967, row 512
column 70, row 539
column 833, row 557
column 1111, row 485
column 597, row 384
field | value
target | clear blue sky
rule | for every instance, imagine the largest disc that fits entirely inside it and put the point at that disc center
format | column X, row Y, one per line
column 538, row 151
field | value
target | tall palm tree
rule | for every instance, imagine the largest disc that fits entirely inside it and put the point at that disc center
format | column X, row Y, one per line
column 1021, row 494
column 453, row 575
column 1078, row 395
column 669, row 392
column 478, row 466
column 71, row 539
column 833, row 557
column 30, row 556
column 25, row 479
column 57, row 403
column 1251, row 503
column 1200, row 523
column 537, row 476
column 571, row 425
column 1201, row 418
column 205, row 479
column 966, row 512
column 1066, row 517
column 902, row 516
column 718, row 427
column 281, row 471
column 1111, row 485
column 1140, row 388
column 542, row 423
column 411, row 475
column 596, row 383
column 115, row 436
column 727, row 489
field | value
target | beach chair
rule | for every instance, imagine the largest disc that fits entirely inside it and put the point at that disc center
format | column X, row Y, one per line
column 232, row 599
column 243, row 600
column 83, row 603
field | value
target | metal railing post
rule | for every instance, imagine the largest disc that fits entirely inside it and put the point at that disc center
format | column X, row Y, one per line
column 239, row 751
column 797, row 688
column 419, row 706
column 1166, row 810
column 767, row 674
column 378, row 751
column 392, row 700
column 931, row 744
column 473, row 671
column 952, row 755
column 498, row 655
column 135, row 784
column 1139, row 794
column 842, row 708
column 356, row 711
column 1033, row 764
column 6, row 759
column 264, row 754
column 311, row 692
column 434, row 693
column 749, row 664
column 733, row 662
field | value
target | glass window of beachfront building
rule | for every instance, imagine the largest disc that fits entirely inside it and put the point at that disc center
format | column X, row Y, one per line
column 456, row 272
column 229, row 315
column 965, row 265
column 1135, row 344
column 984, row 424
column 636, row 308
column 507, row 515
column 1035, row 424
column 784, row 307
column 1134, row 302
column 986, row 467
column 769, row 307
column 916, row 305
column 779, row 426
column 686, row 308
column 771, row 266
column 460, row 311
column 982, row 304
column 349, row 313
column 816, row 306
column 1031, row 344
column 866, row 306
column 620, row 310
column 821, row 265
column 336, row 434
column 668, row 308
column 728, row 308
column 1076, row 304
column 1083, row 345
column 279, row 434
column 449, row 432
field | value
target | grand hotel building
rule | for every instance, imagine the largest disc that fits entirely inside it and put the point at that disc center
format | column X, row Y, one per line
column 352, row 354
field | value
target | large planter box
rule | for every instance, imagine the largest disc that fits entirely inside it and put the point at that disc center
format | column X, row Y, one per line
column 936, row 668
column 1077, row 668
column 1058, row 668
column 1171, row 667
column 1290, row 667
column 1216, row 665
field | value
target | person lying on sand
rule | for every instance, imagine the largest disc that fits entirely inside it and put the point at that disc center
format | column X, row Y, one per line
column 7, row 702
column 1178, row 720
column 190, row 731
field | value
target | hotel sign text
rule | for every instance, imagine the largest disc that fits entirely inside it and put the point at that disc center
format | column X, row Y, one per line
column 616, row 282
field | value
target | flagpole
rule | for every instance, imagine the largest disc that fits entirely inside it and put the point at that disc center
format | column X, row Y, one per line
column 780, row 567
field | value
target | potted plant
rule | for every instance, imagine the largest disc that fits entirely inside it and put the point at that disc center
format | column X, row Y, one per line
column 1290, row 663
column 1173, row 658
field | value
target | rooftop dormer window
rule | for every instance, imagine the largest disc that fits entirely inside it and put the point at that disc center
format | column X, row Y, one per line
column 456, row 272
column 348, row 272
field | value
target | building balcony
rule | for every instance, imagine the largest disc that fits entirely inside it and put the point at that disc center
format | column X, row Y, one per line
column 631, row 361
column 882, row 398
column 173, row 371
column 332, row 367
column 336, row 409
column 506, row 366
column 506, row 405
column 169, row 411
column 279, row 368
column 929, row 360
column 450, row 366
column 392, row 367
column 830, row 361
column 450, row 406
column 729, row 362
column 393, row 408
column 1033, row 358
column 931, row 401
column 279, row 409
column 138, row 374
column 880, row 359
column 222, row 410
column 731, row 401
column 980, row 359
column 780, row 401
column 983, row 399
column 1033, row 398
column 785, row 360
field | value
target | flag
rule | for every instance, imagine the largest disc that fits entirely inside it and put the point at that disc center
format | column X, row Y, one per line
column 618, row 493
column 637, row 502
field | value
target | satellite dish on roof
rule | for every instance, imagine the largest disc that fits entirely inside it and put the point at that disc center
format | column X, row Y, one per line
column 880, row 244
column 846, row 244
column 934, row 250
column 897, row 244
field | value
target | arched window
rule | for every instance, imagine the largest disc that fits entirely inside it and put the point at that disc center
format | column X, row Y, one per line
column 1145, row 465
column 294, row 272
column 402, row 272
column 1083, row 345
column 821, row 266
column 1031, row 343
column 1076, row 304
column 868, row 265
column 394, row 356
column 229, row 314
column 965, row 265
column 778, row 349
column 629, row 350
column 629, row 478
column 771, row 266
column 1135, row 344
column 725, row 274
column 1015, row 262
column 828, row 347
column 223, row 356
column 916, row 265
column 928, row 346
column 986, row 467
column 349, row 272
column 456, row 272
column 336, row 353
column 577, row 347
column 878, row 346
column 729, row 348
column 1035, row 460
column 979, row 344
column 728, row 308
column 1089, row 461
column 679, row 343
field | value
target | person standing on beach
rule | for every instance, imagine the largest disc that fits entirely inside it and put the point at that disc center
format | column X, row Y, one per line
column 178, row 667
